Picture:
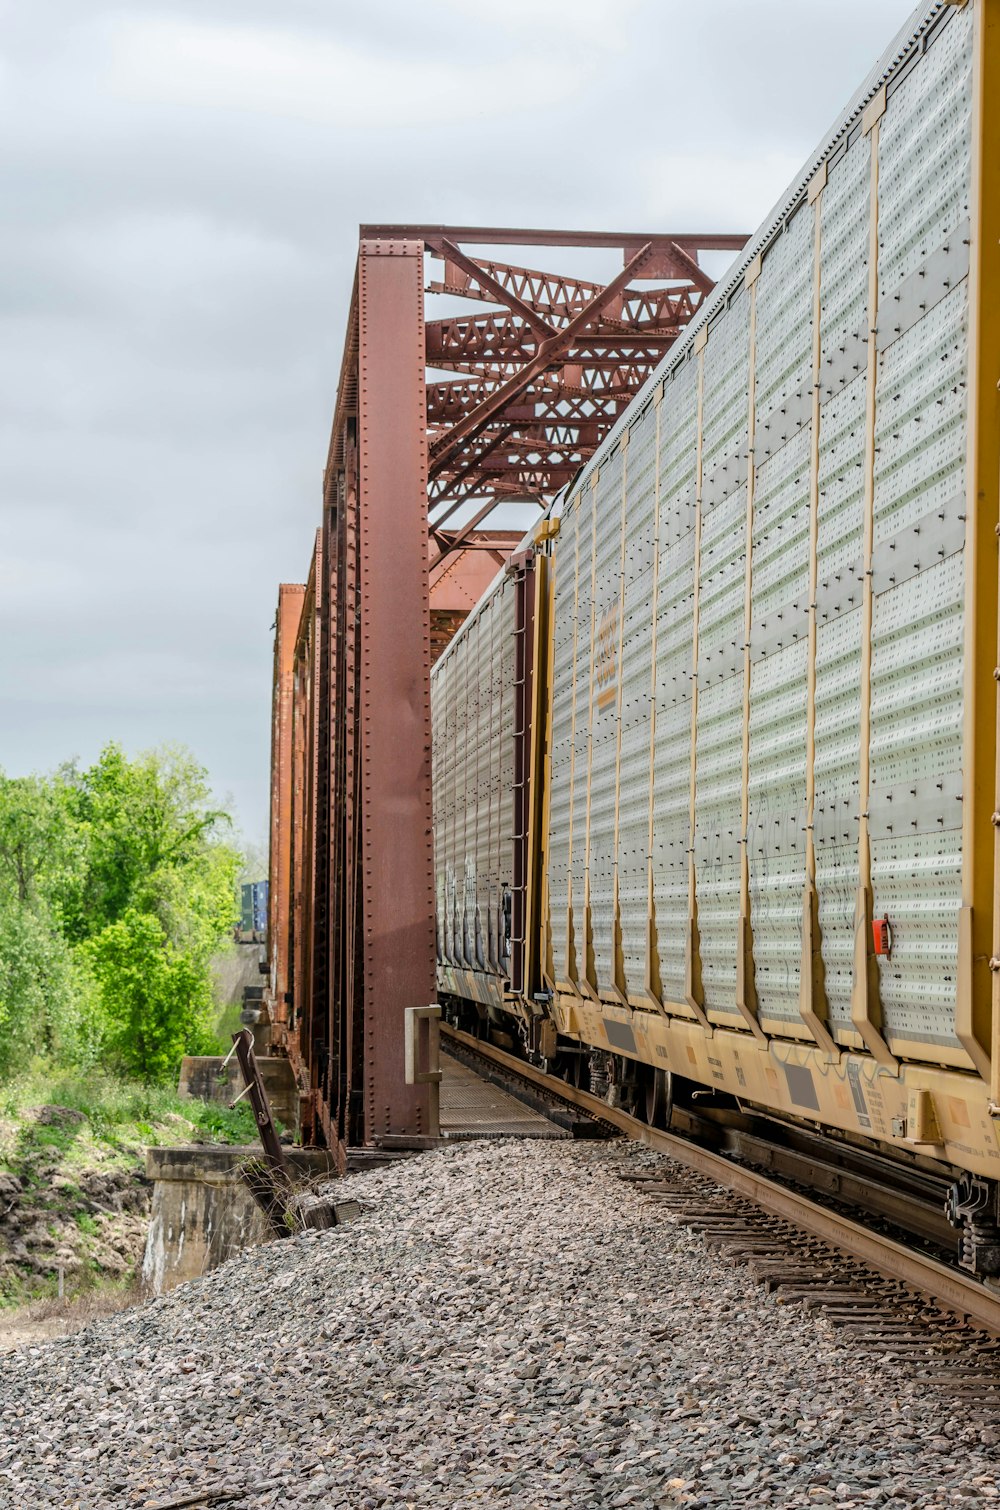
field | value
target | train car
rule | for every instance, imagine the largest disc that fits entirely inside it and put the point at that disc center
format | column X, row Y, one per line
column 259, row 895
column 746, row 793
column 253, row 912
column 246, row 908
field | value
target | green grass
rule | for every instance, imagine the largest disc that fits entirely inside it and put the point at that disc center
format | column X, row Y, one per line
column 113, row 1115
column 60, row 1128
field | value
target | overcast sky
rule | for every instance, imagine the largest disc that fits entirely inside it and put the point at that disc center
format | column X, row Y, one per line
column 180, row 187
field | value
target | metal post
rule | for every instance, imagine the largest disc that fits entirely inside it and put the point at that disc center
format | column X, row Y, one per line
column 396, row 900
column 278, row 897
column 431, row 1076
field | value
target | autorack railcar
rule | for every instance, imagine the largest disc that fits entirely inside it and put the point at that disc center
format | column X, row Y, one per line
column 715, row 761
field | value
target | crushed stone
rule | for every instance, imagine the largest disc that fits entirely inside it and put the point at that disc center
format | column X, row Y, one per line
column 507, row 1323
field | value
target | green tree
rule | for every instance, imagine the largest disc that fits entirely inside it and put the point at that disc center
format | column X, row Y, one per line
column 47, row 997
column 116, row 887
column 156, row 998
column 143, row 821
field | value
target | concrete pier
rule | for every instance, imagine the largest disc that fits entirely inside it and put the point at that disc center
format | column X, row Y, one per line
column 202, row 1212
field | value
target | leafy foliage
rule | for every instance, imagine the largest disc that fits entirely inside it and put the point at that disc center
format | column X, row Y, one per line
column 155, row 996
column 115, row 889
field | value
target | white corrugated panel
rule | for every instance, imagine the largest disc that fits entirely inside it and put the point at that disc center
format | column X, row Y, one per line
column 916, row 814
column 918, row 568
column 717, row 837
column 490, row 788
column 446, row 860
column 479, row 791
column 836, row 808
column 585, row 635
column 562, row 692
column 437, row 787
column 604, row 721
column 467, row 792
column 779, row 642
column 718, row 755
column 779, row 615
column 461, row 761
column 840, row 577
column 924, row 156
column 504, row 851
column 674, row 664
column 472, row 706
column 783, row 382
column 724, row 419
column 636, row 702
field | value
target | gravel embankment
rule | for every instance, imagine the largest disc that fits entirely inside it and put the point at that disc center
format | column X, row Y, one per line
column 508, row 1324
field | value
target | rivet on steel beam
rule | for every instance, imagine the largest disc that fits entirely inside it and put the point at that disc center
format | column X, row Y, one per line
column 994, row 963
column 995, row 820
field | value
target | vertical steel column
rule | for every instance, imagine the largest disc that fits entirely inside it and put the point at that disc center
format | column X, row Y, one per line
column 395, row 928
column 279, row 871
column 340, row 524
column 315, row 1003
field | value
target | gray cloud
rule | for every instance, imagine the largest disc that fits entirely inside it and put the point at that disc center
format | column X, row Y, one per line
column 180, row 186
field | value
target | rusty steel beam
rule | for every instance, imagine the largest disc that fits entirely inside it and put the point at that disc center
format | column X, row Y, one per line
column 447, row 484
column 286, row 621
column 548, row 351
column 499, row 336
column 560, row 400
column 556, row 297
column 477, row 235
column 488, row 284
column 448, row 543
column 397, row 862
column 542, row 372
column 603, row 363
column 690, row 268
column 302, row 879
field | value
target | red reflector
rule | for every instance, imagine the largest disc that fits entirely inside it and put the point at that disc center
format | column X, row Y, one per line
column 882, row 936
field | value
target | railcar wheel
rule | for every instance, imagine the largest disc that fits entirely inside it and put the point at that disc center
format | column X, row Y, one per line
column 659, row 1098
column 572, row 1067
column 580, row 1072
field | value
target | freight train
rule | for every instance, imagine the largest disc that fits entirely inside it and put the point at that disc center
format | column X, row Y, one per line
column 715, row 758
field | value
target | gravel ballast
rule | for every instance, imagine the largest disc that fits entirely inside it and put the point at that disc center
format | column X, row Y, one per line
column 508, row 1323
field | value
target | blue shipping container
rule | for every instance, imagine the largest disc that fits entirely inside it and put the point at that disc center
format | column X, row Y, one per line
column 259, row 906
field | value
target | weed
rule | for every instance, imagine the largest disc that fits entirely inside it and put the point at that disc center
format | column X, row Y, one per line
column 119, row 1114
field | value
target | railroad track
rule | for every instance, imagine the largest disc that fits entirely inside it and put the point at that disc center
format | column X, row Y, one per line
column 885, row 1294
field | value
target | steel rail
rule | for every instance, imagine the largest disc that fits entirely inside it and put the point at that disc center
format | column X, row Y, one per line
column 965, row 1296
